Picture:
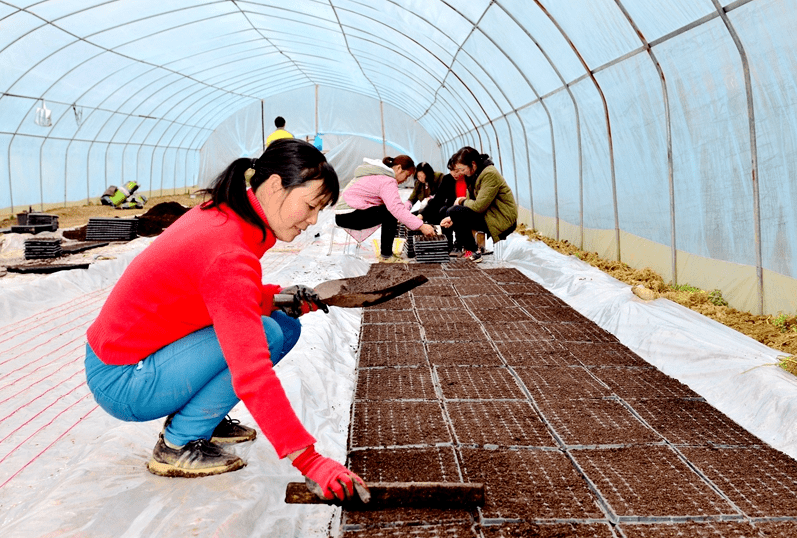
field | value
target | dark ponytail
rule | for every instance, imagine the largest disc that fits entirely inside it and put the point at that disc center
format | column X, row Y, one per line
column 404, row 161
column 470, row 156
column 294, row 161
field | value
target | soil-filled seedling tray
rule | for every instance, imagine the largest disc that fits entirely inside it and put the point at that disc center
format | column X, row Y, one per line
column 388, row 316
column 382, row 270
column 488, row 302
column 475, row 280
column 461, row 264
column 504, row 423
column 650, row 482
column 537, row 353
column 548, row 530
column 398, row 422
column 506, row 275
column 508, row 313
column 633, row 383
column 692, row 422
column 429, row 270
column 579, row 332
column 392, row 354
column 525, row 288
column 437, row 464
column 478, row 382
column 529, row 484
column 561, row 382
column 431, row 318
column 449, row 530
column 530, row 302
column 692, row 529
column 773, row 529
column 395, row 384
column 439, row 303
column 517, row 331
column 610, row 354
column 595, row 422
column 402, row 302
column 478, row 289
column 761, row 481
column 462, row 354
column 557, row 314
column 390, row 332
column 461, row 331
column 434, row 290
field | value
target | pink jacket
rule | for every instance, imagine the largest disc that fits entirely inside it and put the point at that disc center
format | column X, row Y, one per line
column 370, row 191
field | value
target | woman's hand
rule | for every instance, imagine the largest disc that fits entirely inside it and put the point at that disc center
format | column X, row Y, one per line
column 427, row 230
column 446, row 222
column 305, row 300
column 460, row 200
column 332, row 478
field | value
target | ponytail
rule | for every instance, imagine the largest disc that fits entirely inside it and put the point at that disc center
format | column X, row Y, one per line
column 404, row 161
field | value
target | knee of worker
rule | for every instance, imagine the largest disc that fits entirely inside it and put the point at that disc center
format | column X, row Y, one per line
column 282, row 333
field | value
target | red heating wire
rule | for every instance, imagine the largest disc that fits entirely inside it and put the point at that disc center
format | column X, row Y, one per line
column 51, row 444
column 40, row 380
column 73, row 328
column 41, row 395
column 58, row 358
column 19, row 326
column 55, row 401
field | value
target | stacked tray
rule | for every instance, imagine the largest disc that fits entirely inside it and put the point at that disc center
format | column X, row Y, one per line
column 111, row 229
column 432, row 249
column 36, row 249
column 36, row 219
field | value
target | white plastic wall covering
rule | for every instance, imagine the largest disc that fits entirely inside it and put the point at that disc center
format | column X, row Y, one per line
column 610, row 145
column 748, row 87
column 668, row 127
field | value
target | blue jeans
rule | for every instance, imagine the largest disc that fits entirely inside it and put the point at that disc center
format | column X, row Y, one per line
column 188, row 377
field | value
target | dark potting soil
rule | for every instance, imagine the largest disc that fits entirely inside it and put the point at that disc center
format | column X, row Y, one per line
column 392, row 354
column 572, row 433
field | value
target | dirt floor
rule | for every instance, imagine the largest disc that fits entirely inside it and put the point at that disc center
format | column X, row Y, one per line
column 777, row 332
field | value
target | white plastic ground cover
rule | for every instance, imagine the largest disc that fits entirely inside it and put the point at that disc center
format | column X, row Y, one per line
column 81, row 472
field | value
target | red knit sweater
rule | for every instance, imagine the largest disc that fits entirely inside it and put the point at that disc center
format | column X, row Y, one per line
column 204, row 270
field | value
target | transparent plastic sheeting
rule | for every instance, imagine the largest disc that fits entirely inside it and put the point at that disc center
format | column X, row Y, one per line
column 92, row 481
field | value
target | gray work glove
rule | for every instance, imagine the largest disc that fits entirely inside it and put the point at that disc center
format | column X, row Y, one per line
column 305, row 300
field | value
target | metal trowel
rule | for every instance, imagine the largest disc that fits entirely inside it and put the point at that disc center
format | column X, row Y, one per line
column 356, row 292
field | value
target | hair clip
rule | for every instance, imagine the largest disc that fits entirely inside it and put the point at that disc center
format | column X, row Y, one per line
column 249, row 174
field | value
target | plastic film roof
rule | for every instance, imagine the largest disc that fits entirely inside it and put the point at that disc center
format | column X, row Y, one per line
column 657, row 133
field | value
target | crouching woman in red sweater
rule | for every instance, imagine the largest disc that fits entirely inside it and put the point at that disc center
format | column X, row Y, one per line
column 189, row 329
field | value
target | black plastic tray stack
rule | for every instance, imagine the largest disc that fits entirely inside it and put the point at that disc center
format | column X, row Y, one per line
column 432, row 249
column 35, row 223
column 38, row 249
column 405, row 233
column 111, row 229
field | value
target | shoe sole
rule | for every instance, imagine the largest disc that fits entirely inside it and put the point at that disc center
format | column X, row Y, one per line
column 232, row 440
column 164, row 469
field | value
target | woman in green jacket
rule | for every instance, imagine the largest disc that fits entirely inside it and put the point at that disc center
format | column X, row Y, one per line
column 489, row 206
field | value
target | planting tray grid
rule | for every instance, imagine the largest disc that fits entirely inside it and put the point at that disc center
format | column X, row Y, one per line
column 462, row 331
column 478, row 289
column 394, row 332
column 595, row 422
column 394, row 423
column 537, row 353
column 462, row 354
column 434, row 290
column 391, row 354
column 507, row 275
column 571, row 438
column 557, row 314
column 478, row 383
column 610, row 354
column 692, row 422
column 395, row 384
column 509, row 313
column 388, row 316
column 504, row 423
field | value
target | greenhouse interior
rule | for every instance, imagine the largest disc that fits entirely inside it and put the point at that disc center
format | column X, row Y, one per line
column 658, row 134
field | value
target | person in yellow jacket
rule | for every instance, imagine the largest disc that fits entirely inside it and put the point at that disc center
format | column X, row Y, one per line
column 279, row 123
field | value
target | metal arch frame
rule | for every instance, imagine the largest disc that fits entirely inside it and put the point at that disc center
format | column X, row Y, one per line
column 748, row 86
column 668, row 128
column 578, row 134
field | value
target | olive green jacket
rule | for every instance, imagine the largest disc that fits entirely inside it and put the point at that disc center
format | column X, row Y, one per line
column 494, row 200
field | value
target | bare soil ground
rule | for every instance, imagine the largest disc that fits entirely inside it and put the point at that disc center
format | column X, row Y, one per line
column 777, row 332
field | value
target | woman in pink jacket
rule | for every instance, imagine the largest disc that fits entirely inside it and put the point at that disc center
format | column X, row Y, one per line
column 189, row 330
column 372, row 198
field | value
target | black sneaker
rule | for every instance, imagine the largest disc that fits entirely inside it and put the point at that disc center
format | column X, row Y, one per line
column 230, row 431
column 197, row 458
column 475, row 257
